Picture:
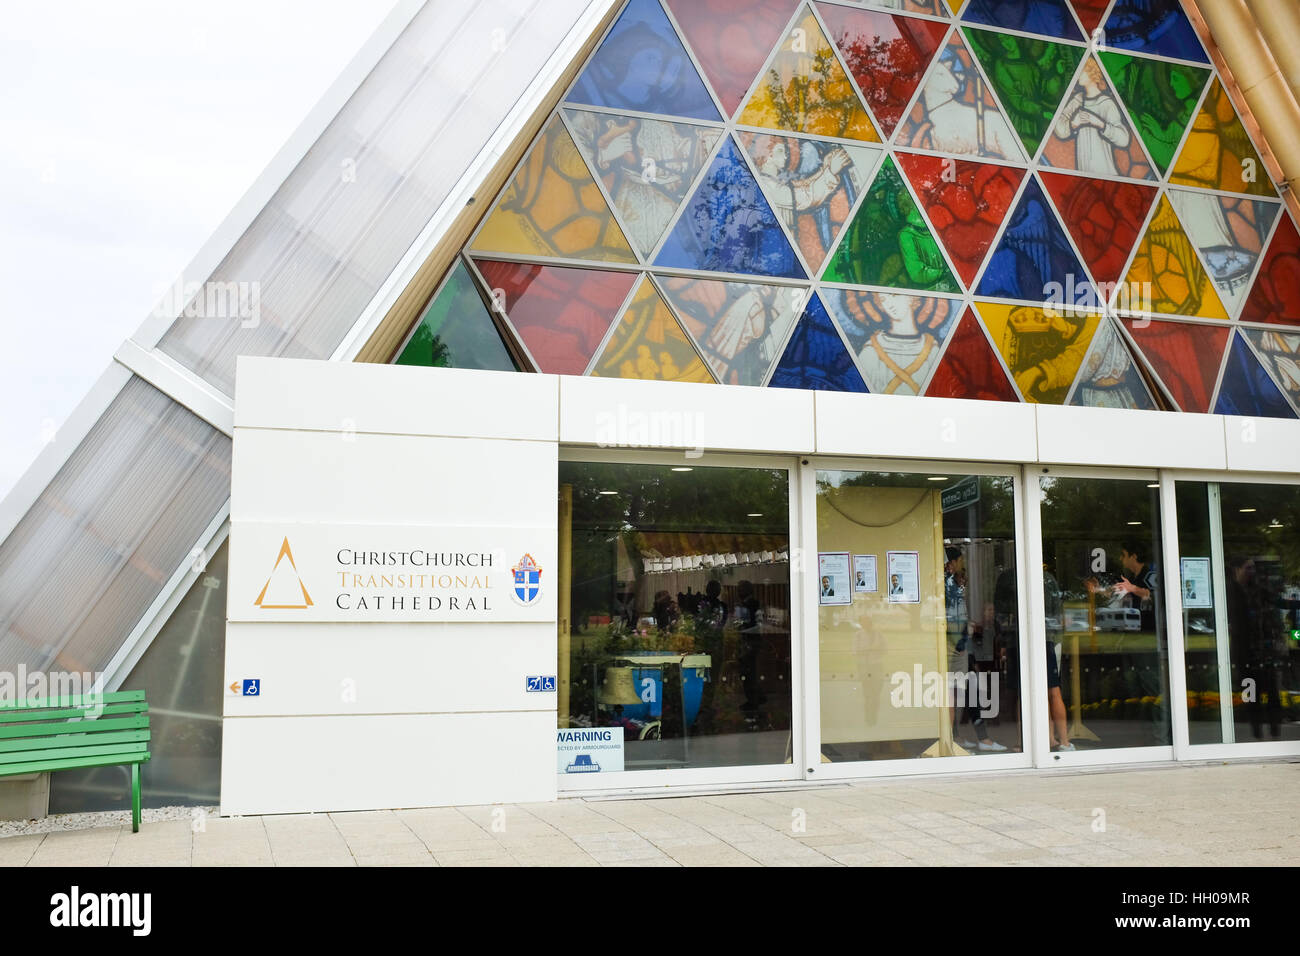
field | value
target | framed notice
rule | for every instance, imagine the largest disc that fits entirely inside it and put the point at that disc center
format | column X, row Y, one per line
column 903, row 577
column 864, row 574
column 834, row 582
column 1196, row 583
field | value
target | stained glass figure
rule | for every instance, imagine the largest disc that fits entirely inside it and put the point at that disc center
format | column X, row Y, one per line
column 1044, row 348
column 966, row 203
column 560, row 313
column 1153, row 26
column 1045, row 17
column 1218, row 154
column 970, row 368
column 647, row 166
column 739, row 327
column 1104, row 217
column 456, row 330
column 1090, row 13
column 816, row 357
column 1229, row 234
column 648, row 343
column 887, row 56
column 957, row 113
column 888, row 242
column 1186, row 357
column 1247, row 389
column 642, row 65
column 732, row 40
column 1280, row 353
column 1276, row 295
column 1159, row 97
column 897, row 337
column 1109, row 377
column 806, row 90
column 1033, row 259
column 553, row 207
column 1092, row 134
column 1030, row 78
column 727, row 226
column 1166, row 275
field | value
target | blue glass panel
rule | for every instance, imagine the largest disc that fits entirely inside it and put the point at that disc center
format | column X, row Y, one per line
column 1247, row 389
column 727, row 226
column 1034, row 260
column 1154, row 26
column 816, row 357
column 1046, row 17
column 642, row 65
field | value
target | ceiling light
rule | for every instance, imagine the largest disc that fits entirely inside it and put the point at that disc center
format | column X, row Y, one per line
column 937, row 478
column 1154, row 484
column 1249, row 511
column 683, row 468
column 1135, row 522
column 607, row 492
column 755, row 514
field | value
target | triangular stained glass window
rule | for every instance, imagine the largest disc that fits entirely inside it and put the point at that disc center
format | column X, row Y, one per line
column 812, row 185
column 649, row 344
column 1043, row 349
column 1033, row 259
column 1249, row 390
column 815, row 357
column 1110, row 377
column 1092, row 134
column 727, row 226
column 1186, row 357
column 1050, row 18
column 1159, row 97
column 1280, row 352
column 896, row 337
column 1229, row 234
column 1218, row 154
column 553, row 207
column 1104, row 218
column 889, row 243
column 1166, row 275
column 1275, row 299
column 1090, row 13
column 647, row 166
column 1153, row 26
column 456, row 330
column 970, row 368
column 641, row 65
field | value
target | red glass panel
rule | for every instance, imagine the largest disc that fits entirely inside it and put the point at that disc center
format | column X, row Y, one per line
column 1186, row 357
column 1276, row 296
column 562, row 314
column 1090, row 12
column 1104, row 218
column 966, row 202
column 970, row 368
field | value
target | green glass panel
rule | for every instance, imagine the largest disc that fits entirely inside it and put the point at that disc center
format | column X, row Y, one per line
column 889, row 244
column 457, row 331
column 1160, row 98
column 1029, row 76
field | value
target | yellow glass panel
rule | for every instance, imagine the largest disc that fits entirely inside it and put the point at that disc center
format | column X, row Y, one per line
column 1044, row 348
column 806, row 90
column 650, row 344
column 553, row 207
column 1166, row 275
column 1218, row 154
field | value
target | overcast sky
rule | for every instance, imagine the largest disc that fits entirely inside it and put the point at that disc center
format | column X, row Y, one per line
column 130, row 129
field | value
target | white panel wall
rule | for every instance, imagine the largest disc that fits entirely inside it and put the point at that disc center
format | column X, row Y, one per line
column 1262, row 444
column 1109, row 436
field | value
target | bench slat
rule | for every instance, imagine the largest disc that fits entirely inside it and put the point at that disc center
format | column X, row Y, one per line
column 42, row 766
column 14, row 717
column 73, row 700
column 12, row 731
column 27, row 744
column 68, row 753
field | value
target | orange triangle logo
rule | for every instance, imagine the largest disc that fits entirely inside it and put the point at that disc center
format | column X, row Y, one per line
column 282, row 584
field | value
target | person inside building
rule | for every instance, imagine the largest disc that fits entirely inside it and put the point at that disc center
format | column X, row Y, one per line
column 962, row 666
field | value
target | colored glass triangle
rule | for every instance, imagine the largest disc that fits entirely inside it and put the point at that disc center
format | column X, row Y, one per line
column 1030, row 77
column 648, row 343
column 1160, row 98
column 1229, row 234
column 806, row 90
column 560, row 313
column 1166, row 275
column 1185, row 357
column 1110, row 377
column 1104, row 218
column 1280, row 353
column 1090, row 13
column 1044, row 349
column 1218, row 154
column 1247, row 389
column 1275, row 299
column 812, row 185
column 731, row 48
column 647, row 166
column 727, row 226
column 553, row 207
column 965, row 202
column 956, row 112
column 896, row 337
column 1045, row 17
column 1092, row 133
column 1033, row 259
column 889, row 243
column 739, row 327
column 887, row 55
column 815, row 357
column 457, row 331
column 970, row 368
column 641, row 65
column 1153, row 26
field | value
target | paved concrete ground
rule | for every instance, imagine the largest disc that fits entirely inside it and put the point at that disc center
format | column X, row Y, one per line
column 1242, row 814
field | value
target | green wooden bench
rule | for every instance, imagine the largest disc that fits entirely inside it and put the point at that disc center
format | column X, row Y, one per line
column 64, row 733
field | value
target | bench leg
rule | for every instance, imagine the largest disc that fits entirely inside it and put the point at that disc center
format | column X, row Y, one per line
column 135, row 798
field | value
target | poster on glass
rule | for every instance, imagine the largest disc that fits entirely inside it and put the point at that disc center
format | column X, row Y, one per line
column 1196, row 583
column 904, row 571
column 833, row 578
column 864, row 574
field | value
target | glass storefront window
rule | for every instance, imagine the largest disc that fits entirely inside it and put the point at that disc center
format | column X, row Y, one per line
column 918, row 616
column 678, row 624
